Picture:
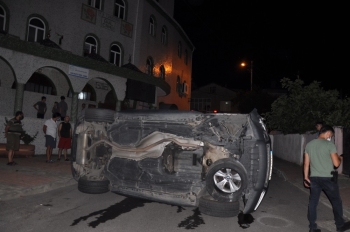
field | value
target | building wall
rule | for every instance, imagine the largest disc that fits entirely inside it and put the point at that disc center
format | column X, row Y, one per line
column 67, row 22
column 219, row 98
column 291, row 147
column 69, row 30
column 166, row 55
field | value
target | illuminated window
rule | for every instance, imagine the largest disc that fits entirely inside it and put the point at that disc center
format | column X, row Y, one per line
column 164, row 37
column 90, row 45
column 95, row 3
column 162, row 72
column 119, row 9
column 115, row 55
column 149, row 66
column 88, row 93
column 36, row 30
column 151, row 26
column 179, row 49
column 2, row 19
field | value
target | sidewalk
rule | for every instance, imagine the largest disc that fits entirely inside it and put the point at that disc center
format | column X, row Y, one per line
column 293, row 173
column 33, row 175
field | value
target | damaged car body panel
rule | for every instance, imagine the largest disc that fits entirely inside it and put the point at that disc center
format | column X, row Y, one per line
column 178, row 157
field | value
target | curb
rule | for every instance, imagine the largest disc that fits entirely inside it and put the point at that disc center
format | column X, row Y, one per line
column 13, row 194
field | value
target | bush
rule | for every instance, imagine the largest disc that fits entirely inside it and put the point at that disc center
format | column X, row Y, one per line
column 298, row 111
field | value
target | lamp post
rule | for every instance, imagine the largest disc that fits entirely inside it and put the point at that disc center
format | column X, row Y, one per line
column 251, row 73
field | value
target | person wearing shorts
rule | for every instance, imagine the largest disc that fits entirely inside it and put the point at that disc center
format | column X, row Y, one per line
column 13, row 132
column 50, row 131
column 65, row 136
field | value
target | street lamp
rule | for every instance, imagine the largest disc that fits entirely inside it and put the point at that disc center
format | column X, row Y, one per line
column 243, row 64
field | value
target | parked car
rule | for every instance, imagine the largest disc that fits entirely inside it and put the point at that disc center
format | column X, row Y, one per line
column 187, row 158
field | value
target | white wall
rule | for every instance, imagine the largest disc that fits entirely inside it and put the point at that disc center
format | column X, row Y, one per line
column 291, row 147
column 288, row 147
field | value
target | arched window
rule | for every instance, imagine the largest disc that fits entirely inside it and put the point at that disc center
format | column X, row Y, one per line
column 90, row 45
column 95, row 3
column 119, row 9
column 36, row 30
column 115, row 55
column 179, row 49
column 164, row 37
column 151, row 26
column 88, row 93
column 2, row 19
column 149, row 65
column 40, row 83
column 162, row 72
column 186, row 57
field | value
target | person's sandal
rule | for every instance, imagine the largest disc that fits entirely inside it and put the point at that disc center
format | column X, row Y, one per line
column 13, row 163
column 67, row 159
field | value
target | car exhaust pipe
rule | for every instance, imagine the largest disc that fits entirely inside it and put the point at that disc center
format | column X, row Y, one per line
column 82, row 144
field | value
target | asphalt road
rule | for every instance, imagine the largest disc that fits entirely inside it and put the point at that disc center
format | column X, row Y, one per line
column 284, row 208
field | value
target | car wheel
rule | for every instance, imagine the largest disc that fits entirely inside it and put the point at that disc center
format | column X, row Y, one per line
column 226, row 180
column 99, row 115
column 209, row 206
column 93, row 187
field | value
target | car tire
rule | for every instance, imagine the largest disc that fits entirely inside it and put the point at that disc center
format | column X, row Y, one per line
column 226, row 179
column 209, row 206
column 93, row 187
column 99, row 115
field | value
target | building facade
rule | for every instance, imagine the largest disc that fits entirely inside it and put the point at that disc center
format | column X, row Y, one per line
column 115, row 54
column 213, row 98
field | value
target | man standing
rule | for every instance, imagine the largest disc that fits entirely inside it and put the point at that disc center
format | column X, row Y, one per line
column 13, row 132
column 50, row 131
column 318, row 126
column 62, row 107
column 320, row 158
column 65, row 136
column 40, row 107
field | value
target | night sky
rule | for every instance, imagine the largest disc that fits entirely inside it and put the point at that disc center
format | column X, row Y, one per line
column 285, row 39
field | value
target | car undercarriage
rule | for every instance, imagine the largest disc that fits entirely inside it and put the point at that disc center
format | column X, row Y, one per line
column 183, row 158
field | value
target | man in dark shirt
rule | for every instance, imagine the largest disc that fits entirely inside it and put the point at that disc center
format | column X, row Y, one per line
column 62, row 107
column 65, row 135
column 40, row 107
column 13, row 132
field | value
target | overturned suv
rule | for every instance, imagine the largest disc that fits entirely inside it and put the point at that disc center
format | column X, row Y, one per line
column 187, row 158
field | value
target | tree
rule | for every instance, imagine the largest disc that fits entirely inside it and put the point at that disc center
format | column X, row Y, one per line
column 298, row 111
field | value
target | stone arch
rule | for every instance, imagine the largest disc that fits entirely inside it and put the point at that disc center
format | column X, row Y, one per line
column 60, row 81
column 109, row 98
column 7, row 77
column 7, row 71
column 41, row 83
